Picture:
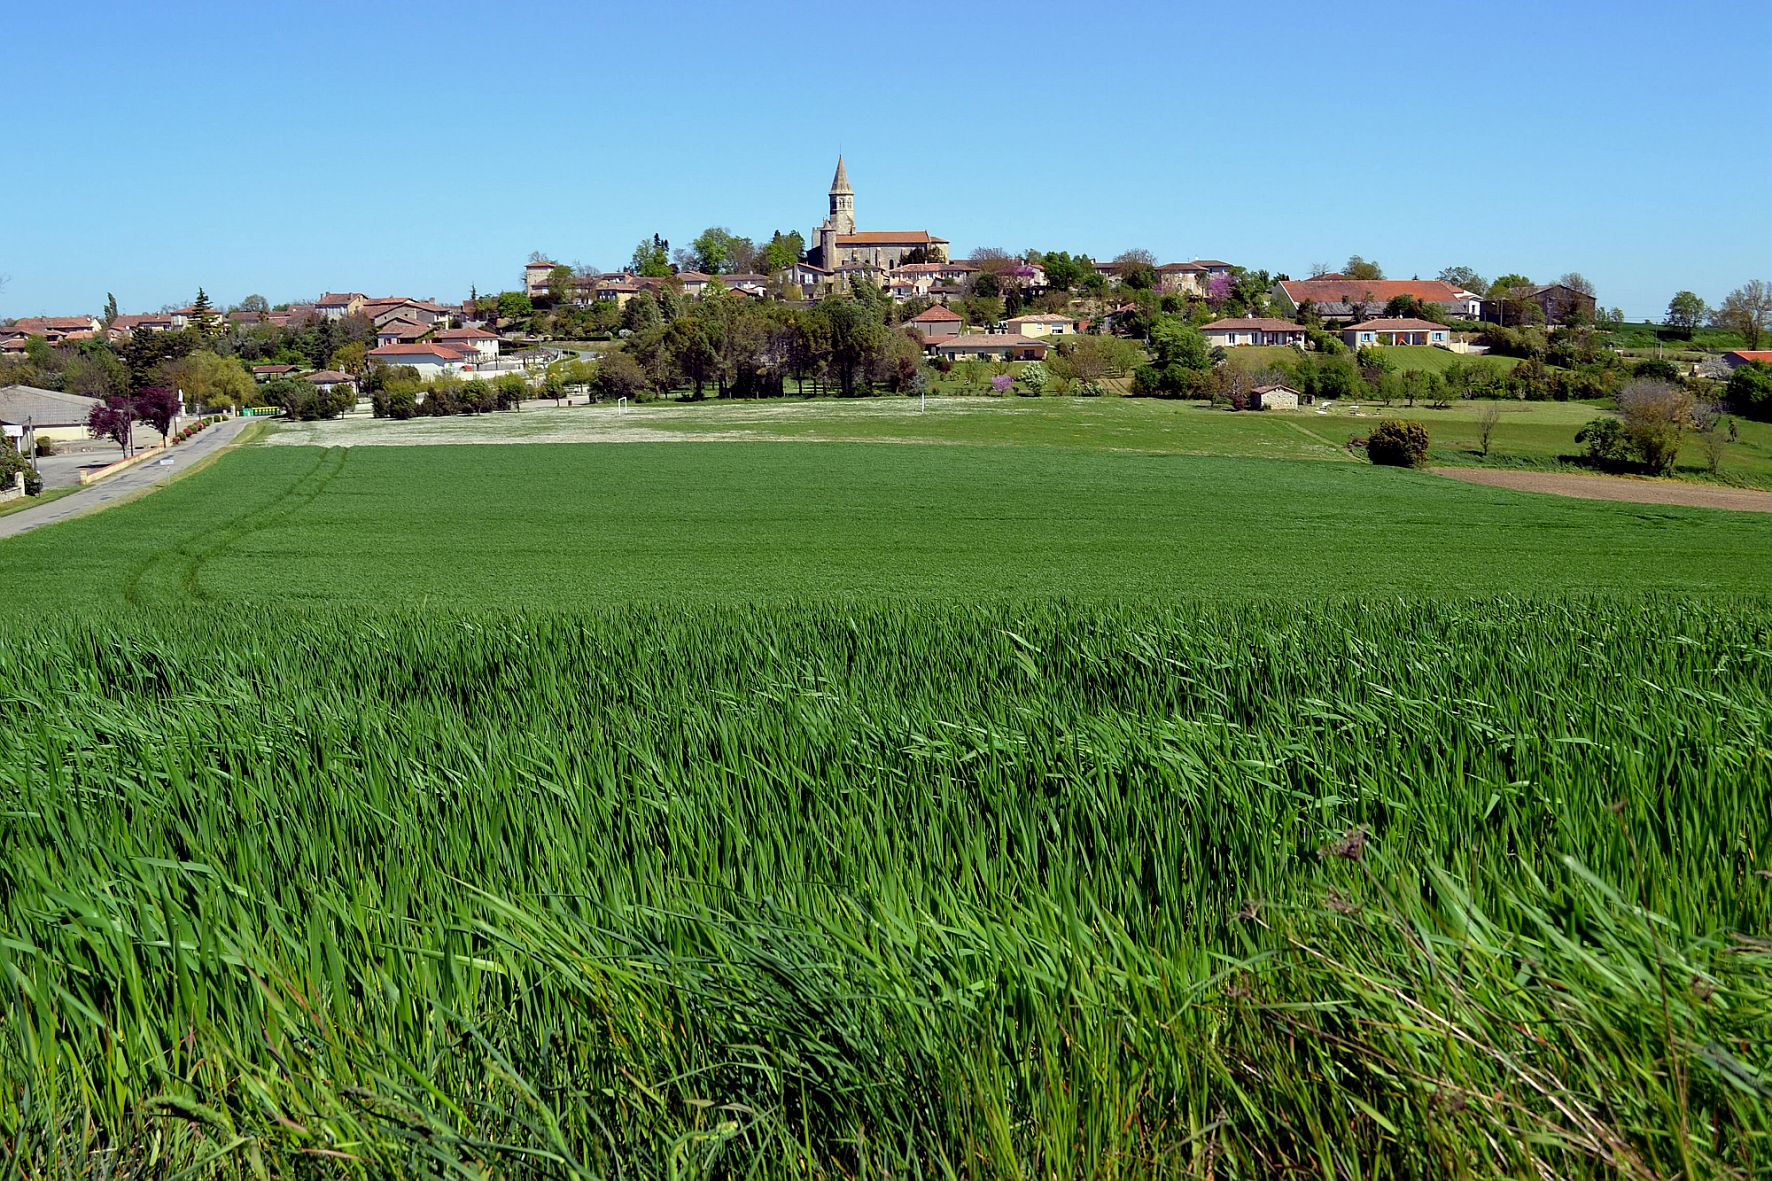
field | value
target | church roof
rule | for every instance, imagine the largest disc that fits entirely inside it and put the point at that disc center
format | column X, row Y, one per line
column 888, row 238
column 840, row 182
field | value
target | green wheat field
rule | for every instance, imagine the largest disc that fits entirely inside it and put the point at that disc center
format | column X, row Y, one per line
column 718, row 810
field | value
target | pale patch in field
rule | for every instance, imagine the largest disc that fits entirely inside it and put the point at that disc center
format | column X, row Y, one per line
column 734, row 422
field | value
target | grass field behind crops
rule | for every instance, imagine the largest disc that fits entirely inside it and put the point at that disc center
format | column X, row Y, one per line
column 570, row 527
column 1528, row 434
column 1056, row 891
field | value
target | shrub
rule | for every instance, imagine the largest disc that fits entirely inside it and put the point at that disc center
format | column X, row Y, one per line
column 1398, row 442
column 45, row 448
column 1656, row 415
column 12, row 465
column 1750, row 391
column 1605, row 442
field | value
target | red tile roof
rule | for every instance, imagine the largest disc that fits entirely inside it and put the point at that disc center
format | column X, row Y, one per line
column 1252, row 324
column 1764, row 356
column 888, row 238
column 1408, row 324
column 466, row 334
column 1001, row 340
column 935, row 315
column 446, row 351
column 1367, row 290
column 327, row 377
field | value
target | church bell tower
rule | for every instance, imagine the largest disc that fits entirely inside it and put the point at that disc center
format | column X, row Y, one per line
column 842, row 201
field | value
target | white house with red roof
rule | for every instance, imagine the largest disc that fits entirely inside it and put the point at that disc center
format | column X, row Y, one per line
column 1041, row 324
column 482, row 343
column 1395, row 331
column 1245, row 330
column 431, row 358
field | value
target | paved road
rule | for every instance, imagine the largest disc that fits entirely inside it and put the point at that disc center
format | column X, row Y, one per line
column 125, row 484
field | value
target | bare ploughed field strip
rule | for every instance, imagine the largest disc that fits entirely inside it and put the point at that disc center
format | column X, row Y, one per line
column 1586, row 487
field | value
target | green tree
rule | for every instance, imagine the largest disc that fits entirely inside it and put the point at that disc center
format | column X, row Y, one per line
column 1361, row 268
column 207, row 381
column 352, row 358
column 255, row 303
column 1506, row 283
column 1750, row 391
column 652, row 258
column 1747, row 310
column 1685, row 311
column 1065, row 272
column 619, row 376
column 716, row 248
column 1464, row 278
column 514, row 305
column 202, row 319
column 560, row 286
column 110, row 316
column 782, row 251
column 1137, row 269
column 1175, row 342
column 1656, row 415
column 96, row 373
column 1398, row 442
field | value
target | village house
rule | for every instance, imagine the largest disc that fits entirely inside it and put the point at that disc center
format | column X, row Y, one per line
column 271, row 372
column 1252, row 330
column 123, row 327
column 1337, row 298
column 1395, row 331
column 429, row 358
column 535, row 277
column 995, row 346
column 400, row 332
column 326, row 380
column 338, row 305
column 482, row 343
column 936, row 323
column 55, row 329
column 1042, row 324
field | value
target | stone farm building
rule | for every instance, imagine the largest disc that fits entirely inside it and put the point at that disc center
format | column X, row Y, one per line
column 1338, row 298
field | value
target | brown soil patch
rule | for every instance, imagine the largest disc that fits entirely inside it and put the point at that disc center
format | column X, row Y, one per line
column 1747, row 500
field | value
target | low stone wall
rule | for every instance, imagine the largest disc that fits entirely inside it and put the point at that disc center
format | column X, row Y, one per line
column 95, row 474
column 16, row 491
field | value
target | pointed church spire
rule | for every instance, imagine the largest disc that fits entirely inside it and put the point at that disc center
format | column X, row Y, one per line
column 840, row 182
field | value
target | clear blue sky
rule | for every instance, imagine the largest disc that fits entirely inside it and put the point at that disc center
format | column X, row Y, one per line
column 291, row 148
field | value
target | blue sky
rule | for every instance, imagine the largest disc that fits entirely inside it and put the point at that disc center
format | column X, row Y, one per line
column 294, row 147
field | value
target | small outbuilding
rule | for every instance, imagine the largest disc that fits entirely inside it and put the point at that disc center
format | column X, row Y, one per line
column 1277, row 397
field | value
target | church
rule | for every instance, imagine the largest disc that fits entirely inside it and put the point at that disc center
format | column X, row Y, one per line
column 838, row 244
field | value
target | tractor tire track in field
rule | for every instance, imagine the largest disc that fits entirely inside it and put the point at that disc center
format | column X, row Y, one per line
column 188, row 558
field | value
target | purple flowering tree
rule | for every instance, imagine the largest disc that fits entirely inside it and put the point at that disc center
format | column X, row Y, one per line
column 1218, row 289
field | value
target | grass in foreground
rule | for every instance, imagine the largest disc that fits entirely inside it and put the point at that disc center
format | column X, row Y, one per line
column 1394, row 891
column 565, row 527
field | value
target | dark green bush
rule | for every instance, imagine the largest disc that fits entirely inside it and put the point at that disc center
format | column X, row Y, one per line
column 1398, row 442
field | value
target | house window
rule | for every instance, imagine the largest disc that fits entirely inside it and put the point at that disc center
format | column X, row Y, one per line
column 1365, row 336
